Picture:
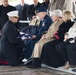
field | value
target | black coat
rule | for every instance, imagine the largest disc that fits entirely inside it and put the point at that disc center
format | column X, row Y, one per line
column 64, row 28
column 3, row 14
column 11, row 44
column 31, row 11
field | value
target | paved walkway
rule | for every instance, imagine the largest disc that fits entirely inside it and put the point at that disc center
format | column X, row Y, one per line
column 7, row 70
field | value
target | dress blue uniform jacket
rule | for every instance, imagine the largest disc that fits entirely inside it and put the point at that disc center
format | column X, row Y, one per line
column 44, row 25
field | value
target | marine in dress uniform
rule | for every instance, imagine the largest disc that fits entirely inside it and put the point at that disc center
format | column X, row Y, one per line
column 11, row 45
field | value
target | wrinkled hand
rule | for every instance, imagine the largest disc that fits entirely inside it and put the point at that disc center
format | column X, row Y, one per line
column 72, row 41
column 43, row 36
column 56, row 35
column 33, row 17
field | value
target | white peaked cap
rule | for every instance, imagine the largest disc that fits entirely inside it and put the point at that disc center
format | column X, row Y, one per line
column 57, row 12
column 13, row 14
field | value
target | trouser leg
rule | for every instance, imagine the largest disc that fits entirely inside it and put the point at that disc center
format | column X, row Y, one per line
column 71, row 51
column 51, row 57
column 61, row 48
column 11, row 57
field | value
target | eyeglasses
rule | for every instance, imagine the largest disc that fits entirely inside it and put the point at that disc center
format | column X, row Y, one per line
column 16, row 17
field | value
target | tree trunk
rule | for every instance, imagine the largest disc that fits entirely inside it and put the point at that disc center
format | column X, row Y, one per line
column 57, row 4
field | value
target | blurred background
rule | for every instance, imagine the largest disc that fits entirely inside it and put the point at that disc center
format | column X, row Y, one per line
column 15, row 2
column 71, row 4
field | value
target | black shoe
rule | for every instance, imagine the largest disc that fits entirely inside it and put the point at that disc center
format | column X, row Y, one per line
column 34, row 66
column 35, row 63
column 28, row 62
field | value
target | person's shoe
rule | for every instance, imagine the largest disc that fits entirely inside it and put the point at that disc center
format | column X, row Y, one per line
column 4, row 63
column 35, row 63
column 28, row 62
column 24, row 60
column 74, row 69
column 34, row 66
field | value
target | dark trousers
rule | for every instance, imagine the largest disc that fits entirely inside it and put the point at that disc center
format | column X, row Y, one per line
column 50, row 56
column 62, row 50
column 29, row 48
column 13, row 57
column 71, row 51
column 67, row 51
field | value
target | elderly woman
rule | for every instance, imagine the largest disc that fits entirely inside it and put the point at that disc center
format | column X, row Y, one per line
column 67, row 48
column 50, row 55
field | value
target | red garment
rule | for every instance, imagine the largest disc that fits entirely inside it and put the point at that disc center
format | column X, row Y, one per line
column 3, row 62
column 56, row 35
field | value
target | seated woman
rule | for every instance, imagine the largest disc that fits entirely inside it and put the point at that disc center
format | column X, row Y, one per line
column 49, row 54
column 67, row 48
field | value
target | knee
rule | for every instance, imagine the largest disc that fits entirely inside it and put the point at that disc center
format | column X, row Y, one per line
column 59, row 47
column 13, row 62
column 37, row 44
column 70, row 48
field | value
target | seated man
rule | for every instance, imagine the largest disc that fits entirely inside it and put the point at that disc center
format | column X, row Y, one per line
column 45, row 22
column 11, row 45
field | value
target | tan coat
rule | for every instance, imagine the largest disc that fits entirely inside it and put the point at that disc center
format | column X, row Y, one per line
column 48, row 37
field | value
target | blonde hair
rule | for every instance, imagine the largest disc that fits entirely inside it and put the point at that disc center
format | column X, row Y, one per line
column 67, row 15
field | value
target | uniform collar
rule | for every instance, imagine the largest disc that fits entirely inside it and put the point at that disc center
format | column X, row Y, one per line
column 45, row 17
